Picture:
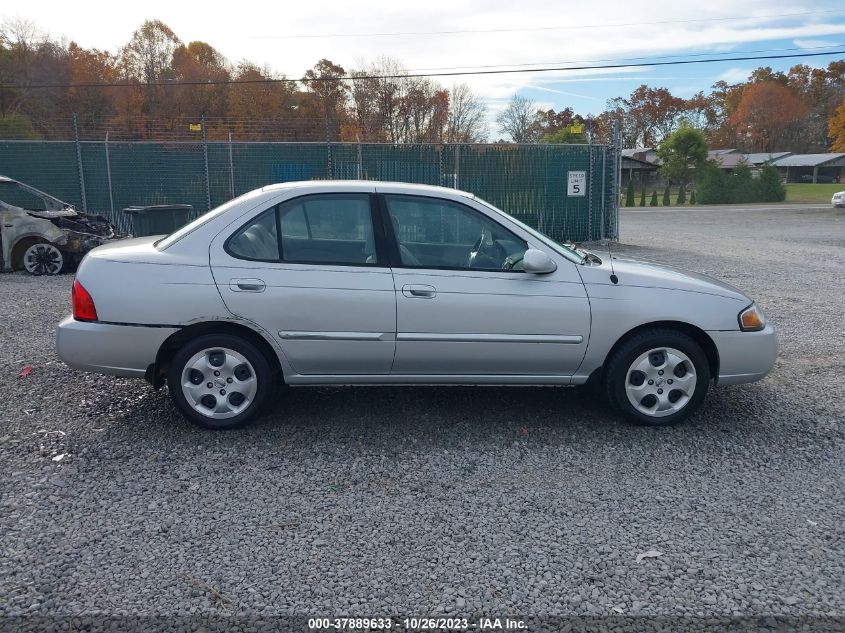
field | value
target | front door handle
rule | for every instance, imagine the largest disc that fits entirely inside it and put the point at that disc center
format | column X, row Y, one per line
column 419, row 291
column 247, row 285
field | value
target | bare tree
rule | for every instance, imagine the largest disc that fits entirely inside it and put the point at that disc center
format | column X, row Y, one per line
column 20, row 36
column 520, row 120
column 148, row 58
column 149, row 54
column 390, row 106
column 467, row 116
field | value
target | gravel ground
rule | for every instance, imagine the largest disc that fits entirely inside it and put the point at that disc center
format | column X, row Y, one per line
column 432, row 501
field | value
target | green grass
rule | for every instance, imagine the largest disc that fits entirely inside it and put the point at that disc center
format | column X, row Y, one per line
column 810, row 193
column 796, row 192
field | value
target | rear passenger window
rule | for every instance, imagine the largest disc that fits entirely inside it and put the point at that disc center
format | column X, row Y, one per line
column 257, row 240
column 320, row 229
column 328, row 229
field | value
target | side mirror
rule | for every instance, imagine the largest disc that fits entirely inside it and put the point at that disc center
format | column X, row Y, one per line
column 537, row 262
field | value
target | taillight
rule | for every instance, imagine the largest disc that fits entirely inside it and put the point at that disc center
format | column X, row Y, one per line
column 83, row 304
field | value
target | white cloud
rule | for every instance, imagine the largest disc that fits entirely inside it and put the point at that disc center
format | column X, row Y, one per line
column 735, row 75
column 815, row 43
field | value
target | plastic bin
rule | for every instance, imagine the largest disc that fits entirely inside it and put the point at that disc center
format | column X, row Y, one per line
column 158, row 219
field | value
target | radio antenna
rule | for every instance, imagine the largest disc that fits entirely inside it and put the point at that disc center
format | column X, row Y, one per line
column 613, row 277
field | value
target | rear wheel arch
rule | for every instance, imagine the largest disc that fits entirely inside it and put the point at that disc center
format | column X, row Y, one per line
column 157, row 372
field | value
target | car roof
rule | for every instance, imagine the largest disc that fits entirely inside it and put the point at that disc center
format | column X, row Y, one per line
column 352, row 185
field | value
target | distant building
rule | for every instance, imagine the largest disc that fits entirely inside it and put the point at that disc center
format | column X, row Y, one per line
column 811, row 167
column 636, row 168
column 758, row 159
column 643, row 154
column 726, row 158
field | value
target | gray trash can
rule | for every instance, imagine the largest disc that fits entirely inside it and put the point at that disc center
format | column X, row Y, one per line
column 158, row 219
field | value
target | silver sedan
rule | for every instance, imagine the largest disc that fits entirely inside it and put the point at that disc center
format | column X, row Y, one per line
column 363, row 283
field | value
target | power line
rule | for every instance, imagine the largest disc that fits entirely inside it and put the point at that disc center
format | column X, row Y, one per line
column 547, row 28
column 500, row 71
column 647, row 57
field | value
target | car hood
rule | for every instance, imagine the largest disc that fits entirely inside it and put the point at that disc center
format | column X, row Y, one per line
column 642, row 273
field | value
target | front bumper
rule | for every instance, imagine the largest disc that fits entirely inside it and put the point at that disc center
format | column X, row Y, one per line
column 745, row 356
column 118, row 350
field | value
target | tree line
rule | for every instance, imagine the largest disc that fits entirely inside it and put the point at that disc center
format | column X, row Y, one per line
column 800, row 110
column 258, row 104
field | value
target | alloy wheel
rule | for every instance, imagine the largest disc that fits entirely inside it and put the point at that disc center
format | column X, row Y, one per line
column 43, row 259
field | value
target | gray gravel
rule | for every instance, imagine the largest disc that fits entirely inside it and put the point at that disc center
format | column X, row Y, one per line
column 426, row 501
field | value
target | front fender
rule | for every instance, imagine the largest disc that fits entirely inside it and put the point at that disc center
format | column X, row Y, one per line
column 616, row 310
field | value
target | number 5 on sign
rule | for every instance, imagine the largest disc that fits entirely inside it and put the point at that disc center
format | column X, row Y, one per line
column 577, row 183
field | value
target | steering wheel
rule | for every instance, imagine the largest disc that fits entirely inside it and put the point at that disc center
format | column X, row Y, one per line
column 511, row 261
column 486, row 255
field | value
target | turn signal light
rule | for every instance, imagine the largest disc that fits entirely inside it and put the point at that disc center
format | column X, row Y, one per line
column 83, row 304
column 751, row 319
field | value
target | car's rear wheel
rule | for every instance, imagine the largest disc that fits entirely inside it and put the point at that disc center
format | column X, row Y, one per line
column 219, row 381
column 658, row 377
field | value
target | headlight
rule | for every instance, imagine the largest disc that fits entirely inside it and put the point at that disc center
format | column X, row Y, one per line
column 751, row 319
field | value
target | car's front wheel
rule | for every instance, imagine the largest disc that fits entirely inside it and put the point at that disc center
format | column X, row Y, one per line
column 219, row 381
column 658, row 377
column 43, row 258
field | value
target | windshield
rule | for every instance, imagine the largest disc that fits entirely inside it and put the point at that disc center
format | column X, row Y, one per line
column 570, row 251
column 177, row 235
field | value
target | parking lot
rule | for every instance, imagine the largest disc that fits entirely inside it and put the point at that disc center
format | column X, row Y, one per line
column 431, row 501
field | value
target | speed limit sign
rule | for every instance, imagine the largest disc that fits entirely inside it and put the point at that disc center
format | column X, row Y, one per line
column 577, row 183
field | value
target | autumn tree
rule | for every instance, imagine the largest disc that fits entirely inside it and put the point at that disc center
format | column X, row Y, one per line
column 550, row 121
column 836, row 129
column 766, row 116
column 519, row 120
column 424, row 110
column 724, row 99
column 260, row 108
column 821, row 90
column 648, row 115
column 196, row 63
column 324, row 81
column 94, row 106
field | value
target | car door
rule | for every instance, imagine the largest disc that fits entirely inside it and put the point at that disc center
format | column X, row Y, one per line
column 464, row 307
column 309, row 271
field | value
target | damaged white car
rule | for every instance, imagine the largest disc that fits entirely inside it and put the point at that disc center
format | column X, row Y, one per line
column 44, row 235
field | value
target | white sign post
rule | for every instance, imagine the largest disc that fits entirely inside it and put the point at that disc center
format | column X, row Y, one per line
column 577, row 184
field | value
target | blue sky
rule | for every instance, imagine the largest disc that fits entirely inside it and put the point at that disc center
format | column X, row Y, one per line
column 289, row 37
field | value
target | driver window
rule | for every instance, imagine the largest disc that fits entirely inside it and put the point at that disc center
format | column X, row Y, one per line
column 436, row 233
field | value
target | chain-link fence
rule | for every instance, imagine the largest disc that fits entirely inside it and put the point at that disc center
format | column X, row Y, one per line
column 569, row 192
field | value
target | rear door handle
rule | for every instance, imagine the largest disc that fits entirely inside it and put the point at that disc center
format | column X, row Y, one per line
column 419, row 291
column 247, row 285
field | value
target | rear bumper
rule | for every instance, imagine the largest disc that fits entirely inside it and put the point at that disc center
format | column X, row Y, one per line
column 745, row 356
column 118, row 350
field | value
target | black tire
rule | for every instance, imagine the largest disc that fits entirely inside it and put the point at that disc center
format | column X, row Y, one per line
column 616, row 375
column 263, row 375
